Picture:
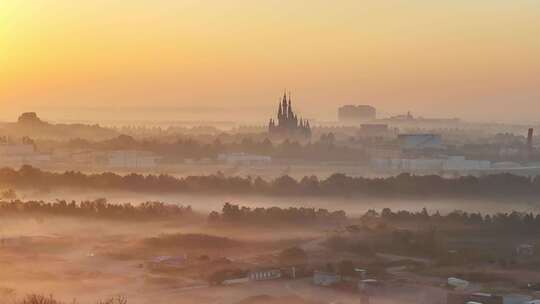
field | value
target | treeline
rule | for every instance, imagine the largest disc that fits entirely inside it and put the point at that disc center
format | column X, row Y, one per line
column 403, row 185
column 508, row 221
column 232, row 214
column 180, row 149
column 98, row 208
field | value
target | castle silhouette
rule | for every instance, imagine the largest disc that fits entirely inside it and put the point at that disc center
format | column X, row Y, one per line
column 288, row 126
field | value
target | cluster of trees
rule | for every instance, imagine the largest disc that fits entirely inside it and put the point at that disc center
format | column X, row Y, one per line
column 231, row 213
column 98, row 208
column 41, row 299
column 509, row 221
column 334, row 185
column 188, row 148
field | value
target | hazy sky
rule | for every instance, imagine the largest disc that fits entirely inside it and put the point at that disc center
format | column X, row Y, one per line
column 474, row 59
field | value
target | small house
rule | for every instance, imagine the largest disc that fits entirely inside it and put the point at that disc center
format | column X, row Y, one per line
column 525, row 250
column 264, row 274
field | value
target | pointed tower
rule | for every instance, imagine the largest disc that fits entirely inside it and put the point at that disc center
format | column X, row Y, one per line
column 285, row 107
column 290, row 112
column 280, row 113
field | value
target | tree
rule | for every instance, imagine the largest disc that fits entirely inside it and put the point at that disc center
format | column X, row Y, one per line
column 213, row 217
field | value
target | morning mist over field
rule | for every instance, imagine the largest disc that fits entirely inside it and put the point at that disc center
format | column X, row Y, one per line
column 270, row 152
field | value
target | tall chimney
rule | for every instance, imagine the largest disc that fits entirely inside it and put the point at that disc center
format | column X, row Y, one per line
column 530, row 142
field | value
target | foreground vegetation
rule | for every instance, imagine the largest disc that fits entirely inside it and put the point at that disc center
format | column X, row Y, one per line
column 237, row 214
column 99, row 208
column 41, row 299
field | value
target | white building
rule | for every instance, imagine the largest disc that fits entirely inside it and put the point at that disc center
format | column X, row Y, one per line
column 420, row 141
column 264, row 275
column 450, row 164
column 244, row 158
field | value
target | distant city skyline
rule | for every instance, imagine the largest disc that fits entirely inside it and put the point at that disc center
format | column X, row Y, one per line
column 450, row 58
column 250, row 115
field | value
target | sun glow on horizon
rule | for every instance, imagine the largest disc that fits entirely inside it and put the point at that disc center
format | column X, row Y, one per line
column 428, row 56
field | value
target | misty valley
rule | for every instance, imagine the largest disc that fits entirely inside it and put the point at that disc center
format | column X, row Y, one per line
column 269, row 152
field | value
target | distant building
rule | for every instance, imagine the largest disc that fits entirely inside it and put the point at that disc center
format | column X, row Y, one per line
column 165, row 261
column 29, row 118
column 356, row 114
column 415, row 142
column 403, row 117
column 244, row 159
column 484, row 298
column 381, row 131
column 409, row 118
column 288, row 124
column 430, row 165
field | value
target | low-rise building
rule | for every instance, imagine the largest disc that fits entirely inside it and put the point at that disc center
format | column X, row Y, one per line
column 463, row 298
column 525, row 250
column 416, row 142
column 432, row 165
column 264, row 274
column 166, row 261
column 244, row 159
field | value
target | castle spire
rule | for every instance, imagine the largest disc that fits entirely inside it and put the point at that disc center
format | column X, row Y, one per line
column 285, row 107
column 290, row 104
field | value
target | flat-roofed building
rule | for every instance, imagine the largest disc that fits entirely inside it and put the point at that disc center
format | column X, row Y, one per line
column 356, row 113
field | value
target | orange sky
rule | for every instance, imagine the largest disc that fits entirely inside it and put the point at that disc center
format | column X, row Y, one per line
column 474, row 59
